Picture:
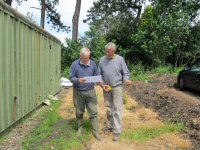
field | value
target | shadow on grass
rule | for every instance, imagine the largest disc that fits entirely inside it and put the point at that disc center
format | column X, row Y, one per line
column 56, row 133
column 63, row 136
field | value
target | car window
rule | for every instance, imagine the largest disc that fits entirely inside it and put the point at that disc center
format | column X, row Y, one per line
column 196, row 66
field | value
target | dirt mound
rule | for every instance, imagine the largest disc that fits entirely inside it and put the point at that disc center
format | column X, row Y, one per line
column 171, row 103
column 135, row 116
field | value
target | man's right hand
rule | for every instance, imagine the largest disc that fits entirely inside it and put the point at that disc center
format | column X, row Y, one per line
column 82, row 80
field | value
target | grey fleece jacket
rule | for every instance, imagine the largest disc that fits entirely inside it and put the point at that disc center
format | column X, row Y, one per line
column 114, row 71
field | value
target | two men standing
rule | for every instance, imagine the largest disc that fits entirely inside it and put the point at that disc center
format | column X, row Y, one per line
column 114, row 72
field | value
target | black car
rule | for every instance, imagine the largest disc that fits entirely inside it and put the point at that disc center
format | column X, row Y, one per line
column 190, row 77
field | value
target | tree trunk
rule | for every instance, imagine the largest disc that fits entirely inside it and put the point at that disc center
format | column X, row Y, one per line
column 9, row 2
column 75, row 21
column 137, row 19
column 42, row 19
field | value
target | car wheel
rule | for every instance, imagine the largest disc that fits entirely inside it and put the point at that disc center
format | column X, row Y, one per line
column 181, row 84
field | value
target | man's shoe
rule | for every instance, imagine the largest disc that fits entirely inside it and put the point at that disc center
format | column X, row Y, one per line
column 116, row 137
column 107, row 130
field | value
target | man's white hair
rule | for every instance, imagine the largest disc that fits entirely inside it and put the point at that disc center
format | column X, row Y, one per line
column 110, row 45
column 85, row 51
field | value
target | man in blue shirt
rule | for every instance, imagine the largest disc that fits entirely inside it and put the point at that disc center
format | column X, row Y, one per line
column 84, row 94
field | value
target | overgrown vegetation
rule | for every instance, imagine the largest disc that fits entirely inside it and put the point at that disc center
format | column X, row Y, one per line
column 148, row 133
column 139, row 72
column 162, row 37
column 55, row 133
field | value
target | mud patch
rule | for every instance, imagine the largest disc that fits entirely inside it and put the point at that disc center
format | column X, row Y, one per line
column 171, row 104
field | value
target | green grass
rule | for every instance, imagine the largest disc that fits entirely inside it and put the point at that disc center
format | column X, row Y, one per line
column 148, row 133
column 68, row 137
column 125, row 98
column 140, row 77
column 3, row 138
column 167, row 70
column 53, row 132
column 177, row 70
column 50, row 117
column 140, row 73
column 163, row 70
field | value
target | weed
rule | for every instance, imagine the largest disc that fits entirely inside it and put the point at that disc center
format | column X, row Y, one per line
column 125, row 98
column 3, row 138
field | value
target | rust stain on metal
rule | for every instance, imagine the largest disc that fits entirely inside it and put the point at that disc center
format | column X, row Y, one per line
column 15, row 108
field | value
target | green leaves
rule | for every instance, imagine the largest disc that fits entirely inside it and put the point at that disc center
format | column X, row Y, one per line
column 163, row 33
column 69, row 53
column 166, row 33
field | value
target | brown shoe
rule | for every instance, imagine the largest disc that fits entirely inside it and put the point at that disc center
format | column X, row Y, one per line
column 116, row 137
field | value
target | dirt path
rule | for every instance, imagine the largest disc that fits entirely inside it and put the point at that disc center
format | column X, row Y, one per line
column 134, row 116
column 148, row 105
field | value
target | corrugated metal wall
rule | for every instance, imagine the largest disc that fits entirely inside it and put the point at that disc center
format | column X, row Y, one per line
column 29, row 66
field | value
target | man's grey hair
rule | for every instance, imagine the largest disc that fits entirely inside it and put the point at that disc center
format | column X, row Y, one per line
column 111, row 45
column 85, row 51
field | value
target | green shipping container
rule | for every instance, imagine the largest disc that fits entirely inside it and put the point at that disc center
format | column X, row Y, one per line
column 30, row 63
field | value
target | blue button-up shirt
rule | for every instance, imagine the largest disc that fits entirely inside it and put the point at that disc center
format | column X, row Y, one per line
column 79, row 70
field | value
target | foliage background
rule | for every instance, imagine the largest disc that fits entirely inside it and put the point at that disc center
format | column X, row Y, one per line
column 165, row 34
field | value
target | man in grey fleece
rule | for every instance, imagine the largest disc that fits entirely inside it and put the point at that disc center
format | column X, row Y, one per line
column 84, row 94
column 114, row 73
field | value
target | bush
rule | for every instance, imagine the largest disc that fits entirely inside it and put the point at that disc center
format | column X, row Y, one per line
column 177, row 70
column 139, row 72
column 66, row 72
column 142, row 73
column 163, row 69
column 69, row 53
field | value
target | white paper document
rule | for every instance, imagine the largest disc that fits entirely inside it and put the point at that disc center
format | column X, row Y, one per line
column 93, row 79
